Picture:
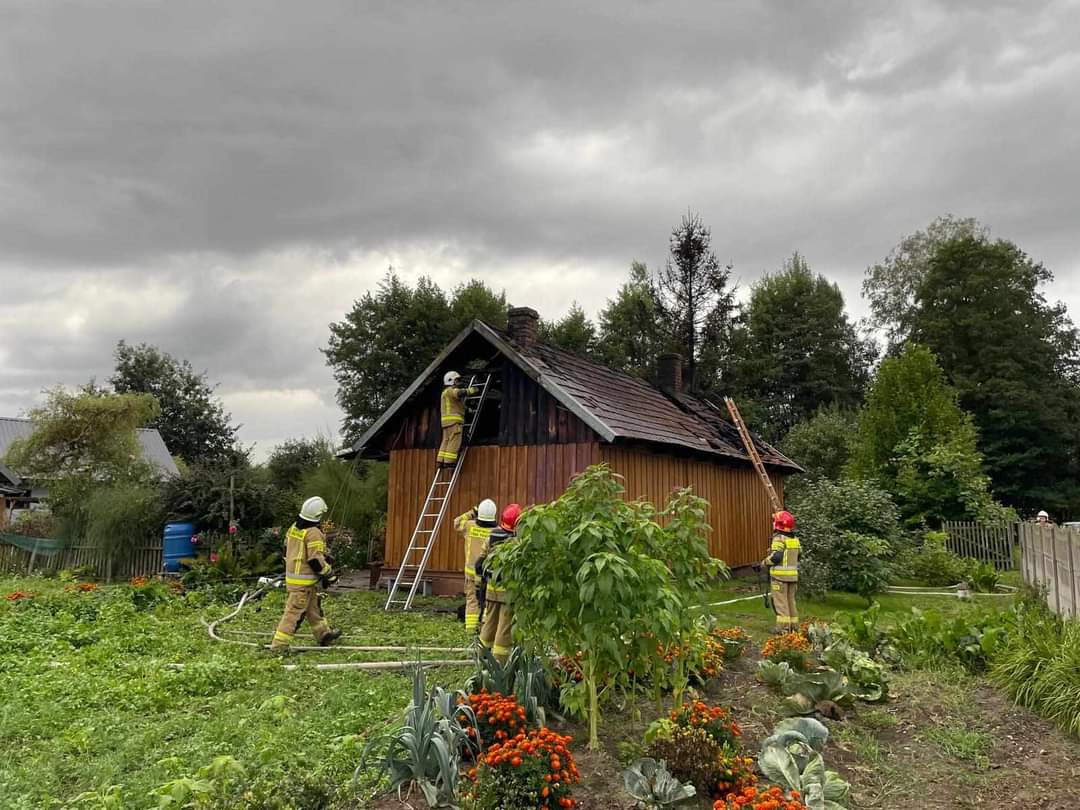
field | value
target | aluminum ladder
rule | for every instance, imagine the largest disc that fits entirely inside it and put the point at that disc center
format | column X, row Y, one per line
column 751, row 451
column 410, row 572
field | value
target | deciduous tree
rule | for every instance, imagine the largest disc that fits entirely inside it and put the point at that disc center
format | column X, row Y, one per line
column 192, row 421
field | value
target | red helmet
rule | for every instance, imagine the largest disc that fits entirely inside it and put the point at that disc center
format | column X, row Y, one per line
column 783, row 522
column 510, row 516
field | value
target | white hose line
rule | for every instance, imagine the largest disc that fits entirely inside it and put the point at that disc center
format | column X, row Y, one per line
column 372, row 665
column 358, row 649
column 728, row 601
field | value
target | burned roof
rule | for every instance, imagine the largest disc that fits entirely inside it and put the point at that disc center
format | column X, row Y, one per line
column 617, row 406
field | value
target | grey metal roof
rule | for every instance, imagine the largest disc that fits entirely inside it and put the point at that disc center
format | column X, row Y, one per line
column 150, row 442
column 615, row 405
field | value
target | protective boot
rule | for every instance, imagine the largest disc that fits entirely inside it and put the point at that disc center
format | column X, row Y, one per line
column 330, row 638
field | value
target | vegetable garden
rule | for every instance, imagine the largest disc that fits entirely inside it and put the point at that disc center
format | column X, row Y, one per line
column 638, row 682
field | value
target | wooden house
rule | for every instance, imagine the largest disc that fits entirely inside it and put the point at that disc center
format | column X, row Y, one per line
column 550, row 415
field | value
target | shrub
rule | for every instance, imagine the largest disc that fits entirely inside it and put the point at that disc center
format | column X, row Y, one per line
column 734, row 641
column 790, row 648
column 531, row 770
column 36, row 523
column 934, row 564
column 847, row 529
column 122, row 517
column 691, row 755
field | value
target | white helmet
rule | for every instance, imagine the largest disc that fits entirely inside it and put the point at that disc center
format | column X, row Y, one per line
column 450, row 378
column 313, row 509
column 486, row 510
column 1042, row 513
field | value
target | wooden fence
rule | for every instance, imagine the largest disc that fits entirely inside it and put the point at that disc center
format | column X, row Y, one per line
column 146, row 561
column 986, row 542
column 1051, row 562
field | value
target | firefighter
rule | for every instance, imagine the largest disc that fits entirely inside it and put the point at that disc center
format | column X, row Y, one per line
column 475, row 527
column 497, row 632
column 453, row 417
column 783, row 567
column 305, row 567
column 1043, row 519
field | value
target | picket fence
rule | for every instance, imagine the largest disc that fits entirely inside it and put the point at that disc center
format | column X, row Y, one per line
column 985, row 542
column 146, row 561
column 1051, row 562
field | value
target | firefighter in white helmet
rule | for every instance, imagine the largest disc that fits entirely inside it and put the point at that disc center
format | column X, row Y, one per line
column 475, row 526
column 452, row 410
column 1043, row 519
column 305, row 567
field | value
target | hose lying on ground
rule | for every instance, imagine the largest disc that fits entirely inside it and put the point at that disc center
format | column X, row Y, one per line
column 212, row 629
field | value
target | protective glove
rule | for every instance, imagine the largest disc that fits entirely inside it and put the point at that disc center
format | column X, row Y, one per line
column 331, row 579
column 480, row 565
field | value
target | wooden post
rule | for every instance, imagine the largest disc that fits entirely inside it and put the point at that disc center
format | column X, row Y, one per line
column 1069, row 537
column 33, row 556
column 1054, row 560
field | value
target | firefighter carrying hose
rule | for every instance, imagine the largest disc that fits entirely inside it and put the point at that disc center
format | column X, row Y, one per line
column 783, row 566
column 305, row 567
column 475, row 527
column 452, row 408
column 497, row 632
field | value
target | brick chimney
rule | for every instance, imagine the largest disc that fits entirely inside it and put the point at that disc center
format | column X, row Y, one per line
column 523, row 323
column 669, row 369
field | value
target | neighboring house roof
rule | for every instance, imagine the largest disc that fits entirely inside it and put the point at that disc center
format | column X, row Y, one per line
column 617, row 406
column 150, row 442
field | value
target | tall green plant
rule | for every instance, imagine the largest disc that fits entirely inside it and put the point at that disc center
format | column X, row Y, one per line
column 593, row 573
column 123, row 517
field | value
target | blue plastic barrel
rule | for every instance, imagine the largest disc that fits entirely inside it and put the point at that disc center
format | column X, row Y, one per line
column 178, row 544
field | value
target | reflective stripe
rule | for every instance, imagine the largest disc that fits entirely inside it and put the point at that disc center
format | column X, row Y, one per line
column 317, row 545
column 453, row 419
column 279, row 636
column 784, row 574
column 472, row 621
column 470, row 570
column 300, row 579
column 787, row 619
column 498, row 649
column 444, row 455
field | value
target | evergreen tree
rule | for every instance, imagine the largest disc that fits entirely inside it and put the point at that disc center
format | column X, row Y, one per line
column 631, row 332
column 192, row 421
column 574, row 332
column 798, row 351
column 695, row 301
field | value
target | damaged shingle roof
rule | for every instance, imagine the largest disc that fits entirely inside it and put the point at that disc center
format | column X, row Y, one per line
column 617, row 406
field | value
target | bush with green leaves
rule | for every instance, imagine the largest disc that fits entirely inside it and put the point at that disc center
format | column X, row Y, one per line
column 928, row 638
column 848, row 530
column 613, row 579
column 123, row 516
column 934, row 564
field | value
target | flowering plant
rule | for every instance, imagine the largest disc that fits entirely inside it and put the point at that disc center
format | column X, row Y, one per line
column 760, row 798
column 498, row 718
column 15, row 596
column 734, row 774
column 716, row 721
column 529, row 770
column 81, row 587
column 791, row 648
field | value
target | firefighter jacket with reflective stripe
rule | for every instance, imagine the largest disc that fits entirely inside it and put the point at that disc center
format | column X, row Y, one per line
column 453, row 405
column 787, row 570
column 476, row 539
column 302, row 545
column 495, row 593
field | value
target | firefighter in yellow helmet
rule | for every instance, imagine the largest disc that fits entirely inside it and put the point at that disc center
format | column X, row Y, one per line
column 475, row 527
column 305, row 567
column 452, row 409
column 783, row 566
column 497, row 632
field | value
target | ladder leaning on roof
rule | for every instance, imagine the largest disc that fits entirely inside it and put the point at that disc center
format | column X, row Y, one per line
column 751, row 451
column 415, row 559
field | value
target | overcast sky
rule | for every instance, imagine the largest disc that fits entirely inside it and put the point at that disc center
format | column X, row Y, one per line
column 224, row 179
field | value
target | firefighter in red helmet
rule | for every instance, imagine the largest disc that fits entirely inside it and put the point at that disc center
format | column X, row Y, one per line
column 497, row 631
column 783, row 567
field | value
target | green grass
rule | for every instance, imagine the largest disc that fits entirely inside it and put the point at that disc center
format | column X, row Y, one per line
column 90, row 701
column 962, row 743
column 753, row 614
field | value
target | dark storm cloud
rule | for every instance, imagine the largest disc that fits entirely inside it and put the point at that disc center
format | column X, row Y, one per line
column 223, row 179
